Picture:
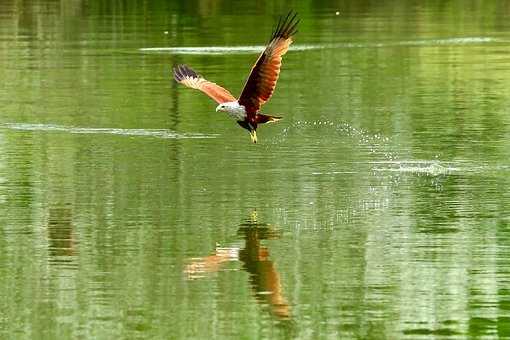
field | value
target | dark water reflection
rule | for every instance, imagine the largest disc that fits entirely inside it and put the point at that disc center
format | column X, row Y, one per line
column 62, row 242
column 126, row 202
column 264, row 278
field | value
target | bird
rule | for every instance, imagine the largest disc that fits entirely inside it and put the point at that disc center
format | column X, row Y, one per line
column 259, row 86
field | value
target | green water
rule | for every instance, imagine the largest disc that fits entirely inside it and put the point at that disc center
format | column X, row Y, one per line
column 379, row 207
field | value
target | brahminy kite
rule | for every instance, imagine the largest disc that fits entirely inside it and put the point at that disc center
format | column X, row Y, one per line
column 260, row 84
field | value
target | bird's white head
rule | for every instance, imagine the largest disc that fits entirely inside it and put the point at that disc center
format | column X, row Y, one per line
column 227, row 107
column 233, row 109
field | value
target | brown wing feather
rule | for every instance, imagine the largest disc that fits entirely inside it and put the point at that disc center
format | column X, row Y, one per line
column 262, row 80
column 186, row 76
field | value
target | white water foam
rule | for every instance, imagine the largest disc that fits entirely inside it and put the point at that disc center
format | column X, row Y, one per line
column 158, row 133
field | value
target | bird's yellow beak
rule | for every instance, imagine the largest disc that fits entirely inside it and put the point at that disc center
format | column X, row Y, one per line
column 253, row 135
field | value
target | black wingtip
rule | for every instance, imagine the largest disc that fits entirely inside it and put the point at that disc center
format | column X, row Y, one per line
column 287, row 26
column 182, row 71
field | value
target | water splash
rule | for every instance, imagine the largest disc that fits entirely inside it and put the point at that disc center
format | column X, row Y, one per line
column 386, row 157
column 425, row 167
column 374, row 143
column 156, row 133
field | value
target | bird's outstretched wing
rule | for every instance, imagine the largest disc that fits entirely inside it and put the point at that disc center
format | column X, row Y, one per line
column 262, row 80
column 186, row 76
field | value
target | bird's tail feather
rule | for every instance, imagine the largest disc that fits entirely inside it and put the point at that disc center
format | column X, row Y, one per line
column 261, row 118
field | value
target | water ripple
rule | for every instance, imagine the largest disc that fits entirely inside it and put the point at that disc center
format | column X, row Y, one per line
column 222, row 50
column 426, row 167
column 157, row 133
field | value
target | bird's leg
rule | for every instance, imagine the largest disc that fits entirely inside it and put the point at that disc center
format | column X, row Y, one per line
column 253, row 135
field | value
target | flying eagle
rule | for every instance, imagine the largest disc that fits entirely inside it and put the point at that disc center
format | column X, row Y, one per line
column 260, row 84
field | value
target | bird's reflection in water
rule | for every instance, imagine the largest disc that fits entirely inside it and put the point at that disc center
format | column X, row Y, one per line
column 264, row 278
column 61, row 234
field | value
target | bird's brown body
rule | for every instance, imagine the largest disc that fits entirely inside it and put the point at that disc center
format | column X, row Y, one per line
column 259, row 86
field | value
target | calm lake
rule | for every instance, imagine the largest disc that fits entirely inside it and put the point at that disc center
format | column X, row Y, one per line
column 379, row 207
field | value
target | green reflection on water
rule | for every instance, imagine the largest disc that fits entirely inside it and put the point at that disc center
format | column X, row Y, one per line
column 382, row 196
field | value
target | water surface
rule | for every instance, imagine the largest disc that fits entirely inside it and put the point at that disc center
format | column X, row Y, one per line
column 377, row 208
